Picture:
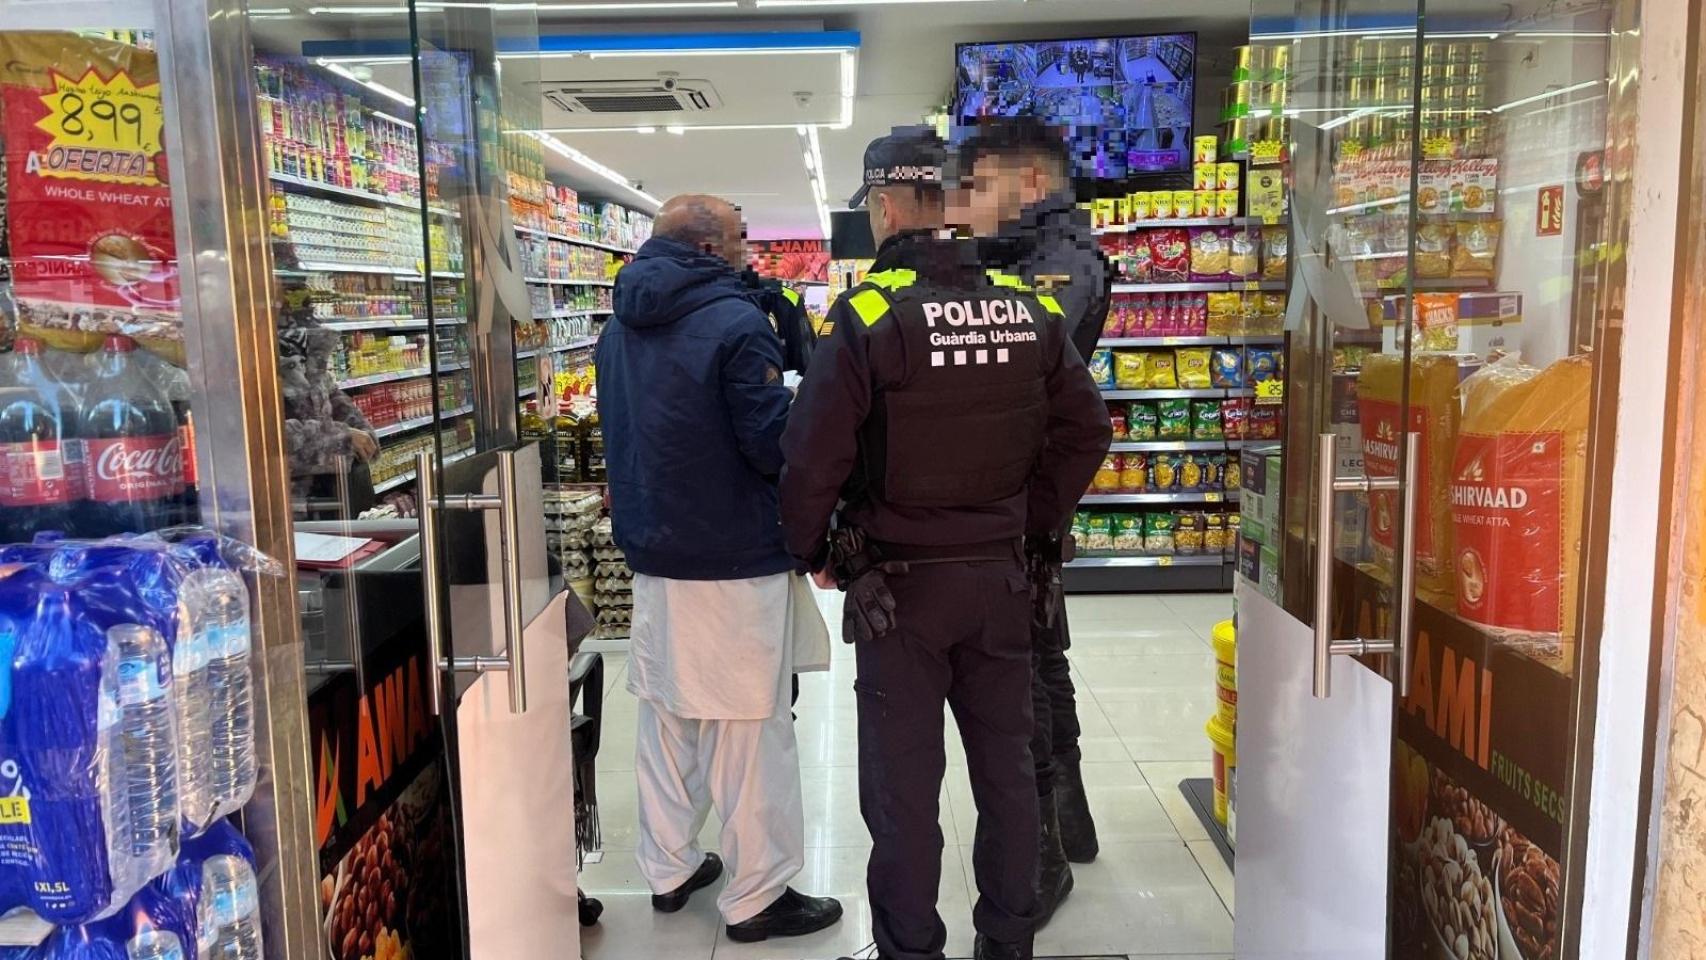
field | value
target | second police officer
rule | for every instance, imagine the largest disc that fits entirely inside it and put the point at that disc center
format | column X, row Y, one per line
column 945, row 417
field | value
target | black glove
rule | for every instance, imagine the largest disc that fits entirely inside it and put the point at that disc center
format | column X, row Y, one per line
column 1043, row 559
column 869, row 608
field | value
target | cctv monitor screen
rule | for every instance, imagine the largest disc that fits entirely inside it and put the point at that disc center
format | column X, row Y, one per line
column 1125, row 102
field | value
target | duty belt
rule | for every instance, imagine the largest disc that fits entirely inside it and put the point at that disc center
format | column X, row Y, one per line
column 916, row 555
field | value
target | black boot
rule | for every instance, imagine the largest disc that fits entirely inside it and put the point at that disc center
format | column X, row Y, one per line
column 1077, row 829
column 792, row 915
column 987, row 949
column 1054, row 874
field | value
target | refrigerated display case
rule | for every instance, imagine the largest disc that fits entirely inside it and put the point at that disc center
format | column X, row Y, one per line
column 1430, row 745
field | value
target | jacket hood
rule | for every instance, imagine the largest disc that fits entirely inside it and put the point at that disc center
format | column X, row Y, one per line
column 668, row 280
column 1042, row 225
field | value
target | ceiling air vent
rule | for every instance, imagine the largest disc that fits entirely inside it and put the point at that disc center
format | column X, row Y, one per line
column 634, row 96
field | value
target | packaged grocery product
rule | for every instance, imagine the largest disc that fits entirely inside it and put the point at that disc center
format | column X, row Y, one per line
column 1193, row 472
column 1232, row 474
column 1188, row 534
column 1263, row 363
column 1202, row 205
column 1276, row 253
column 1116, row 419
column 1162, row 373
column 1184, row 203
column 1244, row 260
column 1148, row 314
column 1175, row 419
column 1226, row 367
column 1099, row 535
column 1161, row 205
column 1143, row 423
column 1436, row 321
column 1265, row 194
column 1196, row 317
column 1158, row 534
column 1264, row 423
column 1140, row 260
column 1226, row 203
column 1128, row 534
column 1206, row 149
column 1205, row 420
column 1081, row 527
column 1227, row 176
column 1224, row 311
column 1107, row 478
column 1102, row 367
column 1211, row 253
column 1134, row 473
column 1433, row 251
column 1164, row 470
column 1216, row 538
column 1477, row 249
column 1434, row 413
column 1214, row 471
column 1204, row 176
column 1235, row 417
column 1115, row 323
column 1142, row 207
column 1131, row 369
column 1192, row 365
column 1170, row 255
column 1102, row 213
column 1518, row 487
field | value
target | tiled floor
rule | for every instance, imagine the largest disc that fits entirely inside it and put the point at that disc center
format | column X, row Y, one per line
column 1159, row 890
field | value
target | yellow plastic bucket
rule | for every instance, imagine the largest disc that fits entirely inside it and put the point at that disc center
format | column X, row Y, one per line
column 1226, row 673
column 1223, row 739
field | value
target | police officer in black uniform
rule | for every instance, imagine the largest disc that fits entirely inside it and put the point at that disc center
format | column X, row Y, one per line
column 944, row 418
column 787, row 313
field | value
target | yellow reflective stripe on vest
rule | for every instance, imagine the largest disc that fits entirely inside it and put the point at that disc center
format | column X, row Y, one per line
column 793, row 297
column 1007, row 280
column 1050, row 304
column 869, row 305
column 892, row 279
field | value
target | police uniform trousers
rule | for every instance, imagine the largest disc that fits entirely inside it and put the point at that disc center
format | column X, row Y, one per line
column 1054, row 741
column 961, row 639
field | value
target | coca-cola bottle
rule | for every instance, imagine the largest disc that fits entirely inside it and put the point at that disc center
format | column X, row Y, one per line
column 133, row 453
column 40, row 457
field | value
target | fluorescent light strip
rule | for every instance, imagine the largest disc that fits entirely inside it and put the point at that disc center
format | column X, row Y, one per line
column 729, row 51
column 848, row 3
column 1308, row 34
column 819, row 177
column 1585, row 84
column 688, row 127
column 849, row 88
column 564, row 150
column 369, row 84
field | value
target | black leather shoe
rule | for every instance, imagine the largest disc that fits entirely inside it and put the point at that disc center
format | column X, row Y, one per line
column 792, row 915
column 703, row 877
column 1054, row 874
column 1077, row 828
column 987, row 949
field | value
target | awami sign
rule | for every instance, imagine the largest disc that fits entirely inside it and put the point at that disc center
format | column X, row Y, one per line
column 789, row 259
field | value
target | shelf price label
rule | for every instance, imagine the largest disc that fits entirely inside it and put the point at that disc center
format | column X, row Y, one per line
column 1270, row 391
column 1164, row 561
column 106, row 129
column 1213, row 496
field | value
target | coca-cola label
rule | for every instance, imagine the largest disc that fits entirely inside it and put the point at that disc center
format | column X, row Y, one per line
column 135, row 468
column 40, row 473
column 1506, row 511
column 186, row 438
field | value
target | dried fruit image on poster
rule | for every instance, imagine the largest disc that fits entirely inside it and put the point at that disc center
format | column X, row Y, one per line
column 89, row 223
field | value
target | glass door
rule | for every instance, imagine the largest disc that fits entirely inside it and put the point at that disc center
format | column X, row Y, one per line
column 1452, row 267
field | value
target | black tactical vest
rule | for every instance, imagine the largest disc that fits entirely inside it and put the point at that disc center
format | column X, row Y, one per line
column 964, row 425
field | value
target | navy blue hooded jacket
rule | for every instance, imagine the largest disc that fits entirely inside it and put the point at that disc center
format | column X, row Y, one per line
column 692, row 404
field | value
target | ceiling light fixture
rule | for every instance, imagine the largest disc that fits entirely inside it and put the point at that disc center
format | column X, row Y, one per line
column 848, row 3
column 564, row 150
column 818, row 176
column 1585, row 84
column 660, row 52
column 849, row 88
column 1308, row 34
column 373, row 85
column 696, row 127
column 645, row 129
column 676, row 129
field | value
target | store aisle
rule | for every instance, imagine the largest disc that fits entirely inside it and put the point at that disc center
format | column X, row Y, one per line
column 1145, row 673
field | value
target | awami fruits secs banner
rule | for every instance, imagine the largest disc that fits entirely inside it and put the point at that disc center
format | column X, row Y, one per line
column 87, row 186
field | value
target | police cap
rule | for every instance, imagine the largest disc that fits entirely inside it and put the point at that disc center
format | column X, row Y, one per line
column 908, row 155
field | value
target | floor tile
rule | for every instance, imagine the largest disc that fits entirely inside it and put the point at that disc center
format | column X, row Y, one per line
column 1214, row 867
column 1200, row 611
column 1123, row 806
column 1114, row 679
column 631, row 930
column 1166, row 725
column 840, row 873
column 1163, row 778
column 1111, row 639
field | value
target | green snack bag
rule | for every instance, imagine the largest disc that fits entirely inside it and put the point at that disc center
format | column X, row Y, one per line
column 1158, row 534
column 1205, row 420
column 1128, row 534
column 1099, row 535
column 1175, row 420
column 1081, row 526
column 1142, row 423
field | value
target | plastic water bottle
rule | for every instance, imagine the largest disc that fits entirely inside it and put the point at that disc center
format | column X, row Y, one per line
column 154, row 945
column 230, row 911
column 147, row 740
column 220, row 695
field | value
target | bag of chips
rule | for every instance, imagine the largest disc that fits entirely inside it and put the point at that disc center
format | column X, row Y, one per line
column 1188, row 534
column 1162, row 373
column 1107, row 478
column 1264, row 423
column 1232, row 475
column 1134, row 473
column 1276, row 246
column 1226, row 368
column 1205, row 420
column 1140, row 262
column 1436, row 321
column 1128, row 534
column 1081, row 526
column 1477, row 249
column 1158, row 534
column 1433, row 251
column 1099, row 535
column 1102, row 367
column 1214, row 474
column 1224, row 312
column 1193, row 367
column 1215, row 539
column 1116, row 419
column 1169, row 255
column 1131, row 369
column 1193, row 472
column 1245, row 260
column 1211, row 253
column 1175, row 420
column 1235, row 418
column 1119, row 314
column 1142, row 422
column 1164, row 470
column 1195, row 322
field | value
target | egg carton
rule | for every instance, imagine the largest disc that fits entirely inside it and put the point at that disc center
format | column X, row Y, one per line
column 605, row 599
column 607, row 554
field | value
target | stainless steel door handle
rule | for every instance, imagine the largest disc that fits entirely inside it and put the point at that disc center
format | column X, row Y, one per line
column 507, row 505
column 1328, row 483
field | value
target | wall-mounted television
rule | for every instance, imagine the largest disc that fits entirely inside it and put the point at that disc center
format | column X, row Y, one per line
column 1125, row 102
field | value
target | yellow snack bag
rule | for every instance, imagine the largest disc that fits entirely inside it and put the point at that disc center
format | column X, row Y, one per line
column 1193, row 368
column 1162, row 374
column 1131, row 369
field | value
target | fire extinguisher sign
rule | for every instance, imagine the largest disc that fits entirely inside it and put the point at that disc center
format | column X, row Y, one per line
column 1549, row 212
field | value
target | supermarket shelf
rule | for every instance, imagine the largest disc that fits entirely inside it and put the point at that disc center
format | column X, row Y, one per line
column 528, row 354
column 528, row 392
column 1161, row 342
column 390, row 323
column 1215, row 394
column 1206, row 560
column 581, row 343
column 579, row 241
column 1116, row 499
column 1255, row 339
column 571, row 283
column 409, row 476
column 1443, row 284
column 1169, row 222
column 1202, row 286
column 372, row 379
column 571, row 314
column 404, row 426
column 332, row 266
column 1170, row 446
column 346, row 193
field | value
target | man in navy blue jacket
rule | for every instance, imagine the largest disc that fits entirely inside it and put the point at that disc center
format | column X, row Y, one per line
column 692, row 403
